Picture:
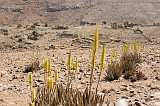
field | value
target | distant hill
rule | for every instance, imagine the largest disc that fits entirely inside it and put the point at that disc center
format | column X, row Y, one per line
column 72, row 12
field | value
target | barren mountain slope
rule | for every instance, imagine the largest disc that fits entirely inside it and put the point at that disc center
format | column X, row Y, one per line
column 72, row 12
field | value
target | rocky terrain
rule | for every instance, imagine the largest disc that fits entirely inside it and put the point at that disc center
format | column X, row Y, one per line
column 71, row 12
column 18, row 43
column 54, row 27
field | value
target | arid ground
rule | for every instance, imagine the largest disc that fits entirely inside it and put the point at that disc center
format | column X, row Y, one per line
column 30, row 26
column 18, row 46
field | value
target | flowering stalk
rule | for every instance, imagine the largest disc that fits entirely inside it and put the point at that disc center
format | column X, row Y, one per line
column 56, row 75
column 95, row 48
column 50, row 85
column 102, row 62
column 69, row 65
column 33, row 104
column 33, row 95
column 75, row 66
column 30, row 81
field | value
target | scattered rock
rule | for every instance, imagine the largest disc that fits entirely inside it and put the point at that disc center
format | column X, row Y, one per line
column 19, row 26
column 123, row 88
column 3, row 73
column 52, row 47
column 1, row 89
column 138, row 104
column 4, row 31
column 122, row 102
column 118, row 92
column 156, row 95
column 34, row 36
column 157, row 77
column 157, row 104
column 131, row 91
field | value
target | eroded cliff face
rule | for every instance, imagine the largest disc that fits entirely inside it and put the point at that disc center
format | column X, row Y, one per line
column 71, row 12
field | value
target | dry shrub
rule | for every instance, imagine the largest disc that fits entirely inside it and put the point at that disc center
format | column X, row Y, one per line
column 34, row 65
column 113, row 71
column 127, row 65
column 129, row 62
column 67, row 96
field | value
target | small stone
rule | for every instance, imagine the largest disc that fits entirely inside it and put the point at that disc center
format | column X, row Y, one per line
column 131, row 91
column 122, row 88
column 148, row 85
column 153, row 87
column 88, row 73
column 157, row 104
column 157, row 78
column 122, row 102
column 110, row 104
column 83, row 82
column 123, row 84
column 3, row 72
column 87, row 76
column 52, row 47
column 1, row 89
column 80, row 78
column 136, row 100
column 131, row 95
column 118, row 92
column 138, row 104
column 104, row 90
column 156, row 95
column 14, row 77
column 1, row 85
column 137, row 84
column 121, row 79
column 11, row 79
column 154, row 81
column 81, row 70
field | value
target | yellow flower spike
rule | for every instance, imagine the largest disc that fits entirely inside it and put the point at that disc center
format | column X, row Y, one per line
column 116, row 54
column 48, row 82
column 125, row 48
column 69, row 62
column 93, row 61
column 51, row 83
column 122, row 49
column 136, row 46
column 32, row 104
column 56, row 74
column 49, row 66
column 102, row 61
column 33, row 94
column 95, row 41
column 119, row 64
column 113, row 55
column 33, row 55
column 46, row 65
column 30, row 77
column 76, row 65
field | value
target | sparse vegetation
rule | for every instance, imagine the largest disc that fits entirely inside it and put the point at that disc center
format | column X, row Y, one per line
column 113, row 71
column 127, row 65
column 98, row 75
column 55, row 94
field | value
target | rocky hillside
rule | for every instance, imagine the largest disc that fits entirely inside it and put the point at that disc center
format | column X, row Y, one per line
column 72, row 12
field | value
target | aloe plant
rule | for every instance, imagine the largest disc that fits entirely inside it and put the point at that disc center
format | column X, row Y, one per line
column 55, row 94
